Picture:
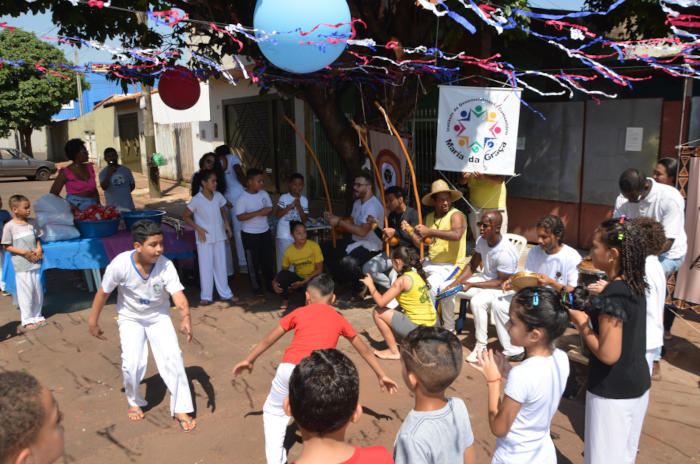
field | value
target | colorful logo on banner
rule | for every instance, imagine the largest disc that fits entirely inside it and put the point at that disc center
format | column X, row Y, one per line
column 478, row 131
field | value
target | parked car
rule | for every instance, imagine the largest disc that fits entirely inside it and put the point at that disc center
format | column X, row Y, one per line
column 14, row 163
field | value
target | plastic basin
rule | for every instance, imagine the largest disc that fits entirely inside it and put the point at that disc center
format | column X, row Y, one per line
column 132, row 217
column 98, row 229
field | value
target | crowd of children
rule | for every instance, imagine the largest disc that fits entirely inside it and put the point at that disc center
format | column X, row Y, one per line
column 317, row 385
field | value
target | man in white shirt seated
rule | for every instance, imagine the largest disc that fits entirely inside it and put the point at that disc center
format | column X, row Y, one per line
column 643, row 197
column 555, row 262
column 346, row 259
column 500, row 260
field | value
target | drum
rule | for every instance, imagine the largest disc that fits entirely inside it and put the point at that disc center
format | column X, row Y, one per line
column 588, row 274
column 524, row 279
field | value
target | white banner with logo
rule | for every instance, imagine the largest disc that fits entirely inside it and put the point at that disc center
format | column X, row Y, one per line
column 477, row 129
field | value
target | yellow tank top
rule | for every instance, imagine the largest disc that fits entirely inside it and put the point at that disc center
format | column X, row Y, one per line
column 416, row 302
column 444, row 251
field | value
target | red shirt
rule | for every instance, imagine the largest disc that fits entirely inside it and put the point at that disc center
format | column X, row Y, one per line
column 316, row 327
column 371, row 455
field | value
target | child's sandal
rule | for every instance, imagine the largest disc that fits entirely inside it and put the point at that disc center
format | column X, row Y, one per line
column 188, row 422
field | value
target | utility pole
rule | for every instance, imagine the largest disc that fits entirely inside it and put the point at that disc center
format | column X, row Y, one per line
column 80, row 88
column 149, row 129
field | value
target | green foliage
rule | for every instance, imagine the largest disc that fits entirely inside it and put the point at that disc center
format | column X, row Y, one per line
column 28, row 98
column 643, row 19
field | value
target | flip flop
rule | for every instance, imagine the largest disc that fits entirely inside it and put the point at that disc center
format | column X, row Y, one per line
column 235, row 299
column 36, row 326
column 42, row 324
column 188, row 422
column 138, row 411
column 204, row 302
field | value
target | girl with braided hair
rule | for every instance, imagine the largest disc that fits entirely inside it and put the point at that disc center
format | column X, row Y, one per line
column 614, row 327
column 411, row 291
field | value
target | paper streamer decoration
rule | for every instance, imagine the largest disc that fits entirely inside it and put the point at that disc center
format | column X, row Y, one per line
column 477, row 129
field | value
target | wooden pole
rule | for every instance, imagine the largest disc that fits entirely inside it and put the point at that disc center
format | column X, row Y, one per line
column 410, row 166
column 379, row 179
column 320, row 171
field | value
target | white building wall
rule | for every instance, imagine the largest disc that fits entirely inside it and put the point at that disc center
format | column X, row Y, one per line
column 163, row 114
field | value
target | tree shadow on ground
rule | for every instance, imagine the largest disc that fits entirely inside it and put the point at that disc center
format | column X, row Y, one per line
column 10, row 330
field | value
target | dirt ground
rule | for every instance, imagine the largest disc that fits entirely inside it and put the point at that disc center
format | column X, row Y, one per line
column 85, row 376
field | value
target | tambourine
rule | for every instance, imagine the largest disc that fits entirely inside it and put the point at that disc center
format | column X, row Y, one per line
column 524, row 279
column 449, row 293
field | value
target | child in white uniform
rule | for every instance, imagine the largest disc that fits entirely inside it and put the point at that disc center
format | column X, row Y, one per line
column 292, row 206
column 4, row 219
column 211, row 226
column 146, row 281
column 534, row 388
column 21, row 238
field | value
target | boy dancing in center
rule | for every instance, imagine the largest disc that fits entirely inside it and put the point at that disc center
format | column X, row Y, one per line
column 146, row 280
column 316, row 326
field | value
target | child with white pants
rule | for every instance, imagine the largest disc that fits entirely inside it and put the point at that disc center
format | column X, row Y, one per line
column 21, row 238
column 143, row 317
column 292, row 206
column 211, row 225
column 316, row 326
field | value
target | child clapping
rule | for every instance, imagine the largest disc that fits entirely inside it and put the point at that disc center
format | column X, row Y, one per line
column 534, row 388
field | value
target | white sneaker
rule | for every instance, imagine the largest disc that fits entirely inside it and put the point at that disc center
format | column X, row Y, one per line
column 472, row 356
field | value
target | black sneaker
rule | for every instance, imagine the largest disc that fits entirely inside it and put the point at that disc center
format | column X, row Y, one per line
column 517, row 358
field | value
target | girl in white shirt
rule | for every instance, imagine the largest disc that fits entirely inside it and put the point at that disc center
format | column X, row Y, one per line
column 211, row 225
column 534, row 388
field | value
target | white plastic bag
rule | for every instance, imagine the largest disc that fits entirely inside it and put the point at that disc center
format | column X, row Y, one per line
column 58, row 232
column 51, row 209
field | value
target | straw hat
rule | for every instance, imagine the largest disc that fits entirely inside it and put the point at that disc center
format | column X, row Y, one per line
column 440, row 186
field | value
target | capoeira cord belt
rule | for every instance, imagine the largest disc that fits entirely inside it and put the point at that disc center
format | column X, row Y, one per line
column 681, row 318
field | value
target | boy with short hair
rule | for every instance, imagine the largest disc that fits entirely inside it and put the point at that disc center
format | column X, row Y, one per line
column 37, row 434
column 4, row 219
column 146, row 280
column 117, row 182
column 316, row 326
column 292, row 206
column 323, row 413
column 21, row 238
column 252, row 208
column 437, row 430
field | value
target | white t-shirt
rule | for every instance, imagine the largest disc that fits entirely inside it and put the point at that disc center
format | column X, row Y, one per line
column 233, row 186
column 249, row 203
column 537, row 384
column 141, row 300
column 501, row 258
column 561, row 267
column 207, row 214
column 663, row 205
column 285, row 200
column 656, row 296
column 360, row 211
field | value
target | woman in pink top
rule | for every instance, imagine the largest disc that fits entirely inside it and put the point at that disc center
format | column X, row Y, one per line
column 81, row 187
column 78, row 178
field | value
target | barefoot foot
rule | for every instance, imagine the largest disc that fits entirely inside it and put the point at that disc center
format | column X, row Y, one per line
column 234, row 299
column 285, row 304
column 204, row 302
column 387, row 354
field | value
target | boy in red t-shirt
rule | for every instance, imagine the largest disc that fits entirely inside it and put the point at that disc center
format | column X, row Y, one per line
column 317, row 326
column 323, row 411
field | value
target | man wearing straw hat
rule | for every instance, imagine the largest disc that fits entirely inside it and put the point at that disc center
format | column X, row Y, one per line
column 447, row 254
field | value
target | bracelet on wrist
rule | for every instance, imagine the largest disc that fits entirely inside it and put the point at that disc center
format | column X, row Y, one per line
column 494, row 380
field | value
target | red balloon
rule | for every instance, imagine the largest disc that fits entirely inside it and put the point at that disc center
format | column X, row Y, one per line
column 179, row 88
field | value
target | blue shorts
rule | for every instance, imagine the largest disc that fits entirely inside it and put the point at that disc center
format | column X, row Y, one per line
column 81, row 203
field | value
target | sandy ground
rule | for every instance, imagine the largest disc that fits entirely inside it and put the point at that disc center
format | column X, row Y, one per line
column 85, row 376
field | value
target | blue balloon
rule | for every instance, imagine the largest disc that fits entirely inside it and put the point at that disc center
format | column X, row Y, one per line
column 289, row 16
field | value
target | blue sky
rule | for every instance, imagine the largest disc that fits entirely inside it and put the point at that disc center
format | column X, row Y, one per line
column 42, row 25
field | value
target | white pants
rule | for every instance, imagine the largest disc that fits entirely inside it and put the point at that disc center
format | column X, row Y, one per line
column 475, row 217
column 479, row 301
column 500, row 308
column 30, row 295
column 166, row 351
column 2, row 263
column 282, row 245
column 229, row 257
column 275, row 419
column 240, row 252
column 613, row 428
column 376, row 268
column 651, row 356
column 439, row 277
column 212, row 268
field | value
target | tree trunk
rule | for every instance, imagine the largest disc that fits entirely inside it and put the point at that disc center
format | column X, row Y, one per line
column 25, row 140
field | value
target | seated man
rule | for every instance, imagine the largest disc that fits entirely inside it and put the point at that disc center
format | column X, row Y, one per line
column 378, row 266
column 346, row 259
column 447, row 254
column 500, row 259
column 555, row 262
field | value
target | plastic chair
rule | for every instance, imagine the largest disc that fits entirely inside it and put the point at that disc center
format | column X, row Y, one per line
column 519, row 241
